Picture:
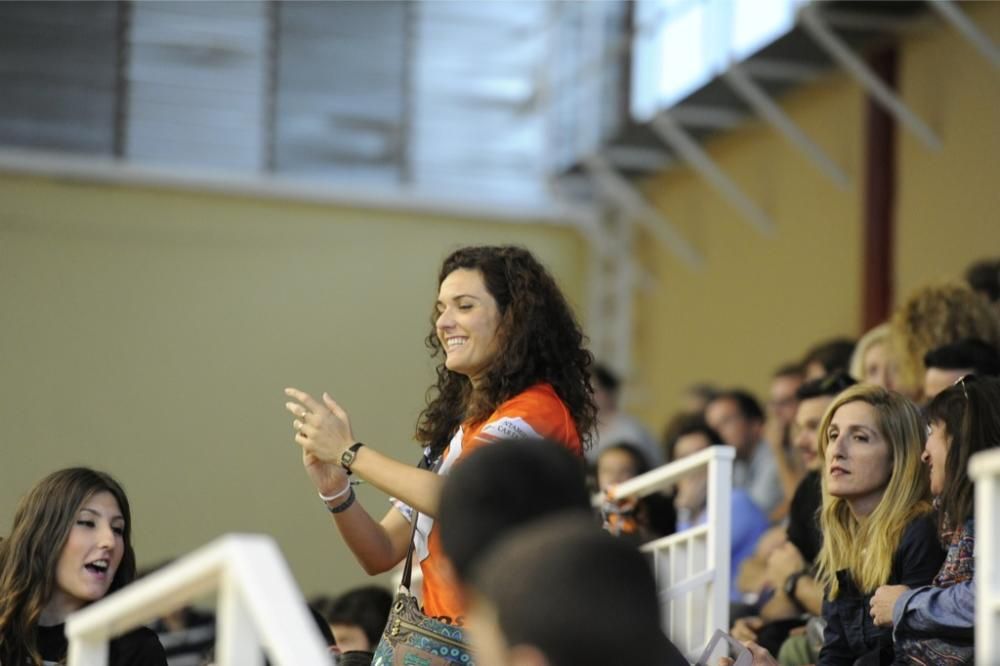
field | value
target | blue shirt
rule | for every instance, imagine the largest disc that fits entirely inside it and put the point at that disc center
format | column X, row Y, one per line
column 747, row 522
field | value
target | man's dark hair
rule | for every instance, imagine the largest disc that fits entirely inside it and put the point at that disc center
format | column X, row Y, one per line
column 789, row 370
column 688, row 425
column 980, row 357
column 501, row 486
column 831, row 385
column 366, row 607
column 833, row 355
column 749, row 406
column 579, row 595
column 984, row 277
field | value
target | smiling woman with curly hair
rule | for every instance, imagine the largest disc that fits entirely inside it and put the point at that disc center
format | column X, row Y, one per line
column 513, row 367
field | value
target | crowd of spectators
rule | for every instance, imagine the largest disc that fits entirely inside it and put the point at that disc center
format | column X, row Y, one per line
column 853, row 529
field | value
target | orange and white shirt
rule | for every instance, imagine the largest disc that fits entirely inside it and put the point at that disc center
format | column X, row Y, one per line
column 537, row 412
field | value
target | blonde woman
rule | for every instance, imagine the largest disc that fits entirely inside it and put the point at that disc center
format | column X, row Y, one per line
column 934, row 316
column 876, row 518
column 872, row 362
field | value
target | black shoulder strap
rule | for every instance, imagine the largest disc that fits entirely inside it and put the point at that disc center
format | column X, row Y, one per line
column 424, row 463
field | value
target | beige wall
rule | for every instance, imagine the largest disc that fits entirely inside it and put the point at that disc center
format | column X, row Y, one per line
column 150, row 333
column 759, row 300
column 948, row 212
column 762, row 301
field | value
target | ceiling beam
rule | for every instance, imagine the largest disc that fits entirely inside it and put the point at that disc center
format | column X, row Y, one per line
column 841, row 53
column 684, row 145
column 768, row 109
column 623, row 194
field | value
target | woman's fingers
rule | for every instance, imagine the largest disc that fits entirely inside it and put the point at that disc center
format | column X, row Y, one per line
column 303, row 429
column 334, row 407
column 296, row 410
column 307, row 400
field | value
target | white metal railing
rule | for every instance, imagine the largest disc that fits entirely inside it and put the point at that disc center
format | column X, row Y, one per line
column 692, row 566
column 260, row 609
column 984, row 470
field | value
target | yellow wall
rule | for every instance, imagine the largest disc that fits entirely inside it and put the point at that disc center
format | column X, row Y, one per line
column 759, row 301
column 948, row 212
column 150, row 333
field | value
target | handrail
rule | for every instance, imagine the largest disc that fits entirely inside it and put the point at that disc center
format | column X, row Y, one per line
column 692, row 567
column 259, row 606
column 664, row 476
column 984, row 470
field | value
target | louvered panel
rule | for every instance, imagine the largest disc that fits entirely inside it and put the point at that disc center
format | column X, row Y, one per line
column 483, row 131
column 340, row 97
column 58, row 75
column 197, row 83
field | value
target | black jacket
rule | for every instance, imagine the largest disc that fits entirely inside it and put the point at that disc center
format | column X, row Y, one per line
column 850, row 634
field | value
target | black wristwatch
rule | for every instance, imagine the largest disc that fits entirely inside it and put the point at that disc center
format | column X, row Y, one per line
column 348, row 456
column 789, row 587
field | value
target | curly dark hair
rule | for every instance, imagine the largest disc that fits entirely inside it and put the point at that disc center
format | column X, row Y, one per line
column 539, row 341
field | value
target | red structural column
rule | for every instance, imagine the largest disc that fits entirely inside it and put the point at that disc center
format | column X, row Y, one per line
column 878, row 269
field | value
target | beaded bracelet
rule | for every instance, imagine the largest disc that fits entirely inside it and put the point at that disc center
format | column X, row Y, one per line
column 345, row 505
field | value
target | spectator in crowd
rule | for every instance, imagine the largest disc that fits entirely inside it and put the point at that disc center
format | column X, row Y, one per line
column 357, row 617
column 788, row 570
column 738, row 418
column 946, row 365
column 984, row 278
column 935, row 624
column 876, row 519
column 935, row 316
column 696, row 398
column 828, row 357
column 872, row 361
column 499, row 488
column 514, row 367
column 580, row 598
column 748, row 522
column 69, row 546
column 646, row 518
column 615, row 426
column 777, row 430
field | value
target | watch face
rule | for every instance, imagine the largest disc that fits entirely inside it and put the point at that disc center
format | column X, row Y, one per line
column 347, row 457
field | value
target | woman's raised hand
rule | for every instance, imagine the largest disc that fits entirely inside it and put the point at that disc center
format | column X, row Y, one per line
column 323, row 430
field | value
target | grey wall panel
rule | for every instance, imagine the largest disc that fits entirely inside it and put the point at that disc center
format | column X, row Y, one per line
column 340, row 89
column 58, row 75
column 197, row 84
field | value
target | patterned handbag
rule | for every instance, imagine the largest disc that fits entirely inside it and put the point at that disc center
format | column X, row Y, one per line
column 413, row 639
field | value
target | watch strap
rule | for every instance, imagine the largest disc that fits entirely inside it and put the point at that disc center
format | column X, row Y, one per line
column 347, row 457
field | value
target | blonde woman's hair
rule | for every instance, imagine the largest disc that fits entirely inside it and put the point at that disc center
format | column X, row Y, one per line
column 934, row 316
column 866, row 548
column 876, row 336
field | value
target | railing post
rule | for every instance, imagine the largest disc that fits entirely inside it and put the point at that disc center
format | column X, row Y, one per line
column 984, row 469
column 237, row 643
column 88, row 651
column 720, row 488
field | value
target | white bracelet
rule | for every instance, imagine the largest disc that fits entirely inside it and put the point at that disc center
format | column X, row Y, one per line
column 343, row 492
